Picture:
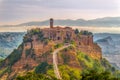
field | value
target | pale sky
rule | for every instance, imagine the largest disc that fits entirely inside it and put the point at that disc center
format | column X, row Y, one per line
column 18, row 11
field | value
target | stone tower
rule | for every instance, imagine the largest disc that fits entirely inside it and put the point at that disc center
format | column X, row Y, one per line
column 51, row 23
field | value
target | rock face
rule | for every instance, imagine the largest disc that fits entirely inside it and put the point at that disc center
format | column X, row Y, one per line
column 59, row 35
column 108, row 45
column 32, row 58
column 38, row 45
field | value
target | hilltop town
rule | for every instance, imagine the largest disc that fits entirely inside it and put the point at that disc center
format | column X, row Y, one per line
column 42, row 45
column 59, row 35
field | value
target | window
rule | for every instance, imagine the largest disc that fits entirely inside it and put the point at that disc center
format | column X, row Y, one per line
column 58, row 38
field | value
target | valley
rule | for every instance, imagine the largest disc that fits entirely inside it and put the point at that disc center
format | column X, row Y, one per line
column 9, row 41
column 110, row 44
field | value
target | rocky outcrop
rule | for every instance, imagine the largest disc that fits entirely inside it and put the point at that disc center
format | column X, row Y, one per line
column 93, row 51
column 36, row 49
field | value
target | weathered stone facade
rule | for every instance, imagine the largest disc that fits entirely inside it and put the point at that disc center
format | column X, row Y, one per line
column 59, row 34
column 35, row 51
column 62, row 34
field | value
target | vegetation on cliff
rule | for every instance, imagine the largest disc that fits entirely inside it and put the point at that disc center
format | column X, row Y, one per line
column 91, row 69
column 34, row 76
column 33, row 60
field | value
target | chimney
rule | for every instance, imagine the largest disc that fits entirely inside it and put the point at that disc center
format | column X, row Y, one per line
column 51, row 23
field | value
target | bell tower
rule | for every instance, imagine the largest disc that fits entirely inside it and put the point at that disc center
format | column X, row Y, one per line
column 51, row 22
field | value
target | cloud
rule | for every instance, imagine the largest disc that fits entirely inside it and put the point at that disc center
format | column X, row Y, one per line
column 21, row 10
column 80, row 4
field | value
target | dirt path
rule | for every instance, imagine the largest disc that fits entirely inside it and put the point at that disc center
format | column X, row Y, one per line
column 55, row 61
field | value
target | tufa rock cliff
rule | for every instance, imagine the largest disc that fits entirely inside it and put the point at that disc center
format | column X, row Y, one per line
column 38, row 44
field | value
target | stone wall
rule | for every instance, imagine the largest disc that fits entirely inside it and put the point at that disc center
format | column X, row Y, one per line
column 60, row 35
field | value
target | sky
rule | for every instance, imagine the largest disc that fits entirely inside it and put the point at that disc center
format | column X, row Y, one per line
column 19, row 11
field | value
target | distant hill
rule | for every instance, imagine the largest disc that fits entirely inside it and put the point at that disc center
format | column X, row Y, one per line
column 107, row 40
column 104, row 22
column 8, row 42
column 110, row 45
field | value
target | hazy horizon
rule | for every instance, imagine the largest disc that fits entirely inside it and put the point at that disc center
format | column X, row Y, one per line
column 93, row 29
column 113, row 30
column 57, row 19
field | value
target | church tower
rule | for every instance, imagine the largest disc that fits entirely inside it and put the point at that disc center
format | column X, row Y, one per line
column 51, row 23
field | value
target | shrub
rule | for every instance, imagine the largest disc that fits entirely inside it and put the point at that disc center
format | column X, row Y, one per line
column 35, row 31
column 42, row 68
column 106, row 64
column 26, row 39
column 50, row 72
column 93, row 74
column 85, row 60
column 68, row 73
column 73, row 43
column 14, row 56
column 34, row 76
column 58, row 46
column 76, row 31
column 85, row 33
column 28, row 51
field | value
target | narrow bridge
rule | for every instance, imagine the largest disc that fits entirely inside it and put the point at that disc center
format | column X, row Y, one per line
column 55, row 61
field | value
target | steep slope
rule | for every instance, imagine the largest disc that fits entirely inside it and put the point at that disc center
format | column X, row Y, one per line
column 35, row 55
column 74, row 66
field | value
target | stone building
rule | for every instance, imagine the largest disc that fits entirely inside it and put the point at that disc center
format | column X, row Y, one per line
column 61, row 34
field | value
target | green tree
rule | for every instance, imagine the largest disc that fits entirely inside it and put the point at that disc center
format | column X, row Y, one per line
column 34, row 76
column 76, row 31
column 42, row 68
